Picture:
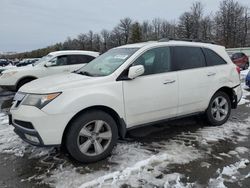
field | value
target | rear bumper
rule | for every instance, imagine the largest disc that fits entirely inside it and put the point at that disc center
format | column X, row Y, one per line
column 237, row 95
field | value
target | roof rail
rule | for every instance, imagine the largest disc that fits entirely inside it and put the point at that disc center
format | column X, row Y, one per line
column 185, row 39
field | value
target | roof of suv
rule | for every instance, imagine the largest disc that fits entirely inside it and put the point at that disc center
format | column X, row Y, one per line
column 73, row 52
column 171, row 42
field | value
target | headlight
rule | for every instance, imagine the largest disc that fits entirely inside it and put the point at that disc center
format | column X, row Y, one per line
column 38, row 100
column 8, row 74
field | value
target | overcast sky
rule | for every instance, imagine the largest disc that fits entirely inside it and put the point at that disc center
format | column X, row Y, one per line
column 31, row 24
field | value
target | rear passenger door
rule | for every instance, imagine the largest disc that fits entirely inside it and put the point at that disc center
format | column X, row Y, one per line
column 77, row 61
column 220, row 68
column 195, row 79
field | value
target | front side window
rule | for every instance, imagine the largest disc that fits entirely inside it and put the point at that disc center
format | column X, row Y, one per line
column 157, row 60
column 108, row 62
column 213, row 58
column 59, row 61
column 186, row 57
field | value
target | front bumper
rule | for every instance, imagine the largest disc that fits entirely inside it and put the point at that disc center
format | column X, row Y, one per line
column 37, row 127
column 8, row 87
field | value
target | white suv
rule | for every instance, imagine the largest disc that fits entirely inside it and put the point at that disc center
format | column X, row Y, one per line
column 54, row 63
column 124, row 88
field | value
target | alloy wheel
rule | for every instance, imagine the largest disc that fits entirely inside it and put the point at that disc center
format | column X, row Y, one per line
column 94, row 138
column 220, row 108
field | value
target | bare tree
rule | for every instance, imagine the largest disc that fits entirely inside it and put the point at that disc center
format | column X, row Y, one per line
column 231, row 27
column 206, row 29
column 82, row 38
column 185, row 26
column 105, row 34
column 147, row 31
column 124, row 27
column 156, row 24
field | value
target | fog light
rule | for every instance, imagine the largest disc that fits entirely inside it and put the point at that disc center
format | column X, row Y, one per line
column 32, row 138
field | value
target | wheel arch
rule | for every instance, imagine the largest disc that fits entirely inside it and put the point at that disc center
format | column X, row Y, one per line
column 121, row 125
column 23, row 78
column 231, row 94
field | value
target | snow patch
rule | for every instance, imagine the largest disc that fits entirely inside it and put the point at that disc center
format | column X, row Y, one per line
column 241, row 150
column 230, row 174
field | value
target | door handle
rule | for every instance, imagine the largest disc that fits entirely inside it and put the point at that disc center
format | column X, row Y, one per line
column 211, row 74
column 169, row 82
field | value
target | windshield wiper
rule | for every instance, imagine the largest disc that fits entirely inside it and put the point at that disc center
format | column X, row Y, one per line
column 84, row 73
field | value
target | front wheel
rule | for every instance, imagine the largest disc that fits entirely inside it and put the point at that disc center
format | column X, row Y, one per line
column 91, row 136
column 219, row 109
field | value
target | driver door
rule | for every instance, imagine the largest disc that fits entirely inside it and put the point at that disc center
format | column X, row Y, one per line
column 152, row 96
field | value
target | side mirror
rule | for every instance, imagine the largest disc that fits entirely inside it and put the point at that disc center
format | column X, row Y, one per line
column 50, row 64
column 135, row 71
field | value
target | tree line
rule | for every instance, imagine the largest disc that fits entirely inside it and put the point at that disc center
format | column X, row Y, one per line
column 228, row 26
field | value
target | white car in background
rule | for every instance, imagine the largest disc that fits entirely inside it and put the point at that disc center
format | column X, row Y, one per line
column 54, row 63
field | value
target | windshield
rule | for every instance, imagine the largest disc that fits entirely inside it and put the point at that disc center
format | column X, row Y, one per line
column 107, row 63
column 44, row 58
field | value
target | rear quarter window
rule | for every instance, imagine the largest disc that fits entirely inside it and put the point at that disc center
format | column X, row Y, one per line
column 213, row 58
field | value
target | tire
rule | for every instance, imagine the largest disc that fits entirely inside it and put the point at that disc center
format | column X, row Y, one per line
column 216, row 113
column 92, row 125
column 23, row 82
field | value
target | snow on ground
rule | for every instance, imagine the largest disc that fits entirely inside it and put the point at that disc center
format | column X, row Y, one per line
column 10, row 143
column 149, row 168
column 135, row 163
column 230, row 174
column 246, row 93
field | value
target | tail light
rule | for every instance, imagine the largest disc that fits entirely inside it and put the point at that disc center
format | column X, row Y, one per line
column 238, row 69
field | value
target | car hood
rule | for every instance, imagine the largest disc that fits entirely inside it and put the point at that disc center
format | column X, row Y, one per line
column 59, row 82
column 24, row 68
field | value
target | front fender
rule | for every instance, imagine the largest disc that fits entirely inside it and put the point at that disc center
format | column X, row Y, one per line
column 77, row 100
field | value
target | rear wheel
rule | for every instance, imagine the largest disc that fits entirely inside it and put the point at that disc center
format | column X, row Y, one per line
column 219, row 109
column 92, row 136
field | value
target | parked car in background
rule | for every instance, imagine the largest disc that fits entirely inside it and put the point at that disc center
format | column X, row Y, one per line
column 27, row 62
column 126, row 87
column 53, row 63
column 241, row 60
column 3, row 62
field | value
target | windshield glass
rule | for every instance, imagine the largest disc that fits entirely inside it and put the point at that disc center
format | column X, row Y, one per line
column 44, row 58
column 107, row 63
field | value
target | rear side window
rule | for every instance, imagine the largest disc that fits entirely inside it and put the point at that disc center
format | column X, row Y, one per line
column 186, row 57
column 213, row 58
column 79, row 59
